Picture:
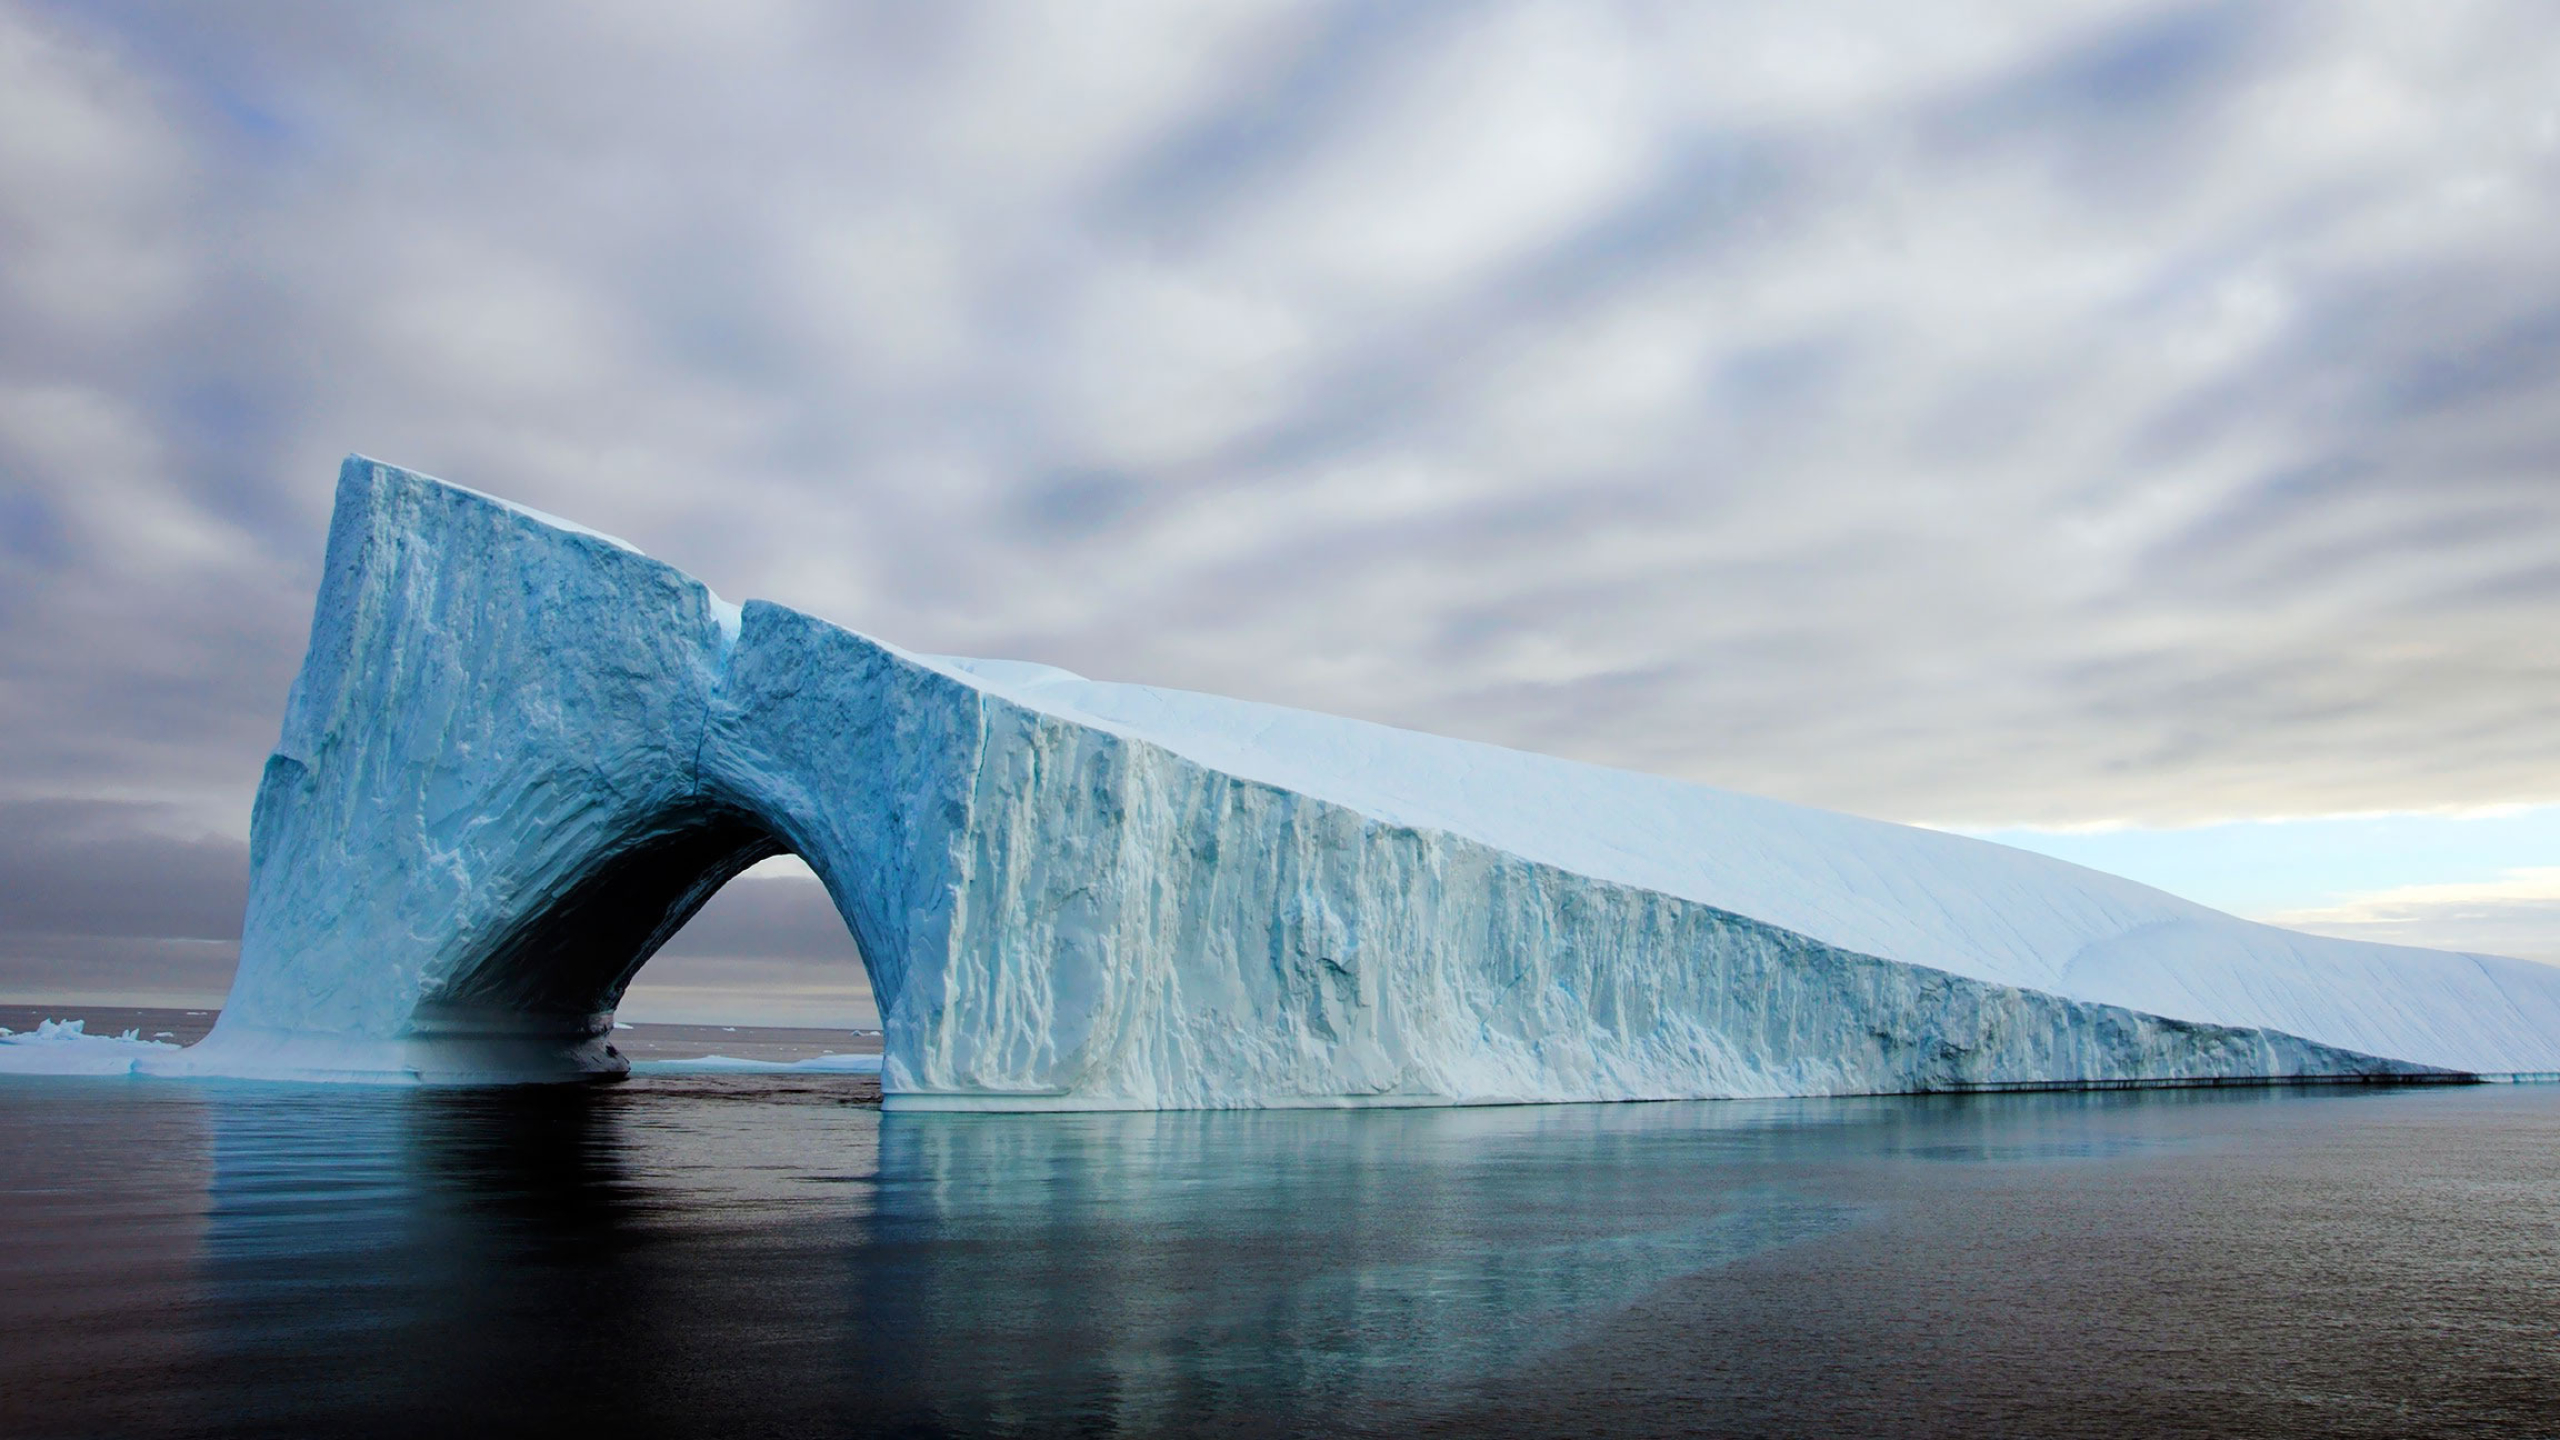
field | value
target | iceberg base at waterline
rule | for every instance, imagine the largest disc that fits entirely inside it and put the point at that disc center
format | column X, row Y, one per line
column 520, row 755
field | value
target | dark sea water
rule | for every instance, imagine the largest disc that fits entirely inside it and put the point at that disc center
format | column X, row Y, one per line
column 774, row 1256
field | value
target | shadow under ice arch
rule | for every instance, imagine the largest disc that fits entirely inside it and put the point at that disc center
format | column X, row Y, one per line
column 520, row 755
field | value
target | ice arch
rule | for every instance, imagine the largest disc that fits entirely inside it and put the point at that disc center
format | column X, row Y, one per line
column 519, row 754
column 515, row 763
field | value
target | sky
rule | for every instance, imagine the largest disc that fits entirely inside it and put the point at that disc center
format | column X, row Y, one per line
column 2129, row 430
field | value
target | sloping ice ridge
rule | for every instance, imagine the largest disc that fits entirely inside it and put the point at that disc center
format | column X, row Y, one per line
column 1972, row 908
column 521, row 754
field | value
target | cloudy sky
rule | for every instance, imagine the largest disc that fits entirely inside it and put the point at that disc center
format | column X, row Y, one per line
column 2129, row 429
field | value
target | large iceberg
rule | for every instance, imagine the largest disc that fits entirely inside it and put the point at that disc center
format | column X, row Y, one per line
column 521, row 754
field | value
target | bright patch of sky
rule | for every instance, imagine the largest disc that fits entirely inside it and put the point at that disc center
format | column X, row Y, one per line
column 2487, row 880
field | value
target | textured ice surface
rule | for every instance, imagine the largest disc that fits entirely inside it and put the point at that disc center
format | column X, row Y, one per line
column 520, row 755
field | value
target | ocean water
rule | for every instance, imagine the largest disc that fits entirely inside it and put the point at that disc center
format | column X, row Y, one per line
column 761, row 1255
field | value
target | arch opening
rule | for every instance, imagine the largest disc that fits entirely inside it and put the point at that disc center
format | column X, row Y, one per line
column 562, row 970
column 771, row 949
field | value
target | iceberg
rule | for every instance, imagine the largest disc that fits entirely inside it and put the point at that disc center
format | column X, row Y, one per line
column 519, row 755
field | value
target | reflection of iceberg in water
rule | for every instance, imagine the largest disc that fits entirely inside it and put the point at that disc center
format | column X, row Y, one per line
column 388, row 1262
column 420, row 1251
column 1316, row 1263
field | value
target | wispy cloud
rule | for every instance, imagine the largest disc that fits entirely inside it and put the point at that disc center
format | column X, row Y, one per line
column 2517, row 913
column 1996, row 414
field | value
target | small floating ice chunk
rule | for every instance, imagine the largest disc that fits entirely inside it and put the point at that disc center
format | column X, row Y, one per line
column 65, row 1047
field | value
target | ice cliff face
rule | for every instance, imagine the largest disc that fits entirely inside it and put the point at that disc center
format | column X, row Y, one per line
column 520, row 755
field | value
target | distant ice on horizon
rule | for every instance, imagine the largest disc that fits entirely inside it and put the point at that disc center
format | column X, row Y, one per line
column 65, row 1047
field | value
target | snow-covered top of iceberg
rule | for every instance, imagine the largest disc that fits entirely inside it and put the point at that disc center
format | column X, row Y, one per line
column 545, row 517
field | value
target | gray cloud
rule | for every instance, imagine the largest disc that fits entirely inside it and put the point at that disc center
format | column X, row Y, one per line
column 100, row 900
column 70, row 867
column 1999, row 414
